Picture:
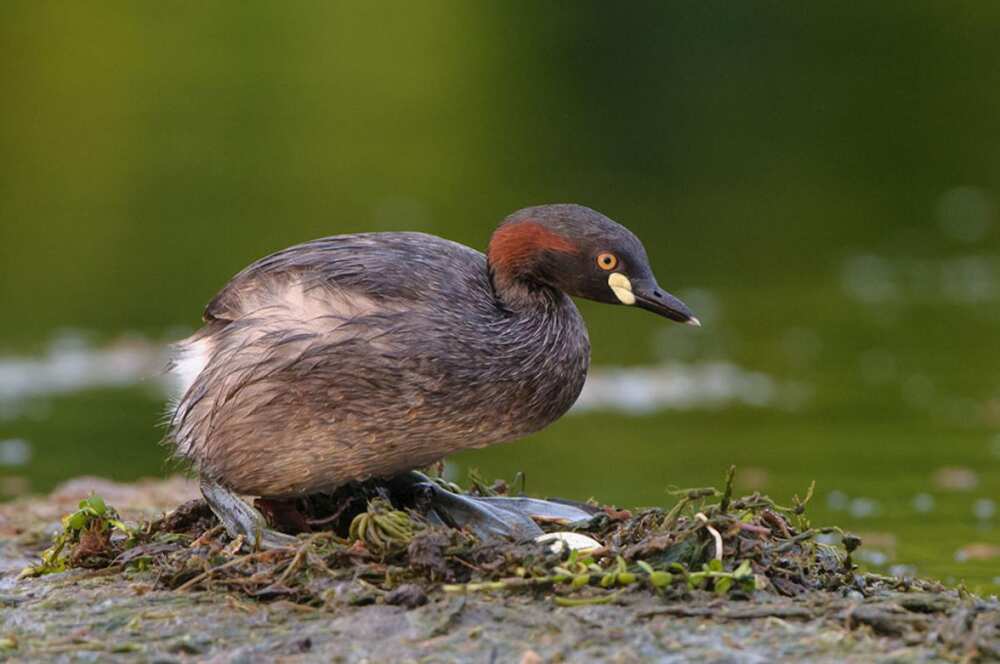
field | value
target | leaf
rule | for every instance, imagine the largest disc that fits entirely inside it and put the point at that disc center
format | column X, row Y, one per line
column 76, row 520
column 93, row 504
column 588, row 601
column 661, row 579
column 120, row 526
column 97, row 504
column 722, row 585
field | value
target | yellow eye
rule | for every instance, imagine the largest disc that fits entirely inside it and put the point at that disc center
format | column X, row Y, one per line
column 607, row 261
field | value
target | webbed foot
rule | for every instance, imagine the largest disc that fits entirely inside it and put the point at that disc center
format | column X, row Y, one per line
column 240, row 518
column 487, row 516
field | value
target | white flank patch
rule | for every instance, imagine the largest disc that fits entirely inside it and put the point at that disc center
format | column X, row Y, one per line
column 190, row 362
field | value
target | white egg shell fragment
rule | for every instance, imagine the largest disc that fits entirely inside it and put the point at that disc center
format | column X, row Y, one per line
column 573, row 541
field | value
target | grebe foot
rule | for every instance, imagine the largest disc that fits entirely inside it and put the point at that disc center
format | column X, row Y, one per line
column 240, row 518
column 488, row 516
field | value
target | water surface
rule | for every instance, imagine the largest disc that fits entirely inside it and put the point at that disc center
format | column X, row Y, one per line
column 820, row 183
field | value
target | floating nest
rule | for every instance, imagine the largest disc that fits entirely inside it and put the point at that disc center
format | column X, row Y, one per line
column 707, row 541
column 709, row 556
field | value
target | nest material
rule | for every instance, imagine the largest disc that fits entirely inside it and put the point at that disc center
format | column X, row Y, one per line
column 706, row 541
column 709, row 556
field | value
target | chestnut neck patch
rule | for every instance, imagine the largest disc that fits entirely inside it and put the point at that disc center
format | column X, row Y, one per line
column 515, row 247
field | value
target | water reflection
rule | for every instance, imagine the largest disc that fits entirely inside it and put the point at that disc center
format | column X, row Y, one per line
column 71, row 364
column 965, row 280
column 955, row 478
column 923, row 503
column 984, row 509
column 680, row 386
column 965, row 213
column 14, row 452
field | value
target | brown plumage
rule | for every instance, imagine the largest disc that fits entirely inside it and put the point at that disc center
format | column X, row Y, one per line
column 368, row 355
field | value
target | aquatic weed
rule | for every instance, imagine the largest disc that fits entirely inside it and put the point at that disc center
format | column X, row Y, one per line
column 85, row 540
column 708, row 540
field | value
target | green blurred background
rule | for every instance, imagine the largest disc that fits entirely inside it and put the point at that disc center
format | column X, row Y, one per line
column 819, row 181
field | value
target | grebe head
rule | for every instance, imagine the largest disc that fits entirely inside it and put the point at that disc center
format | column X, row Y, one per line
column 582, row 253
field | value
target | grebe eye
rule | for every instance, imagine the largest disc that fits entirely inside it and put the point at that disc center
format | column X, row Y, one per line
column 607, row 261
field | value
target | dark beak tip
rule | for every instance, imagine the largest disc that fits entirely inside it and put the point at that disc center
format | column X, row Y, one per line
column 650, row 297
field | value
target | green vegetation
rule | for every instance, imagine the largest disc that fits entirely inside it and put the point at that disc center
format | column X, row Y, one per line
column 708, row 540
column 720, row 575
column 85, row 539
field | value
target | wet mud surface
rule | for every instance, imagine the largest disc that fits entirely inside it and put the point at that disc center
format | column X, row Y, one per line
column 177, row 589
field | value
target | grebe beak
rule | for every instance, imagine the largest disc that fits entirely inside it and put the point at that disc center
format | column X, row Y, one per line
column 646, row 294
